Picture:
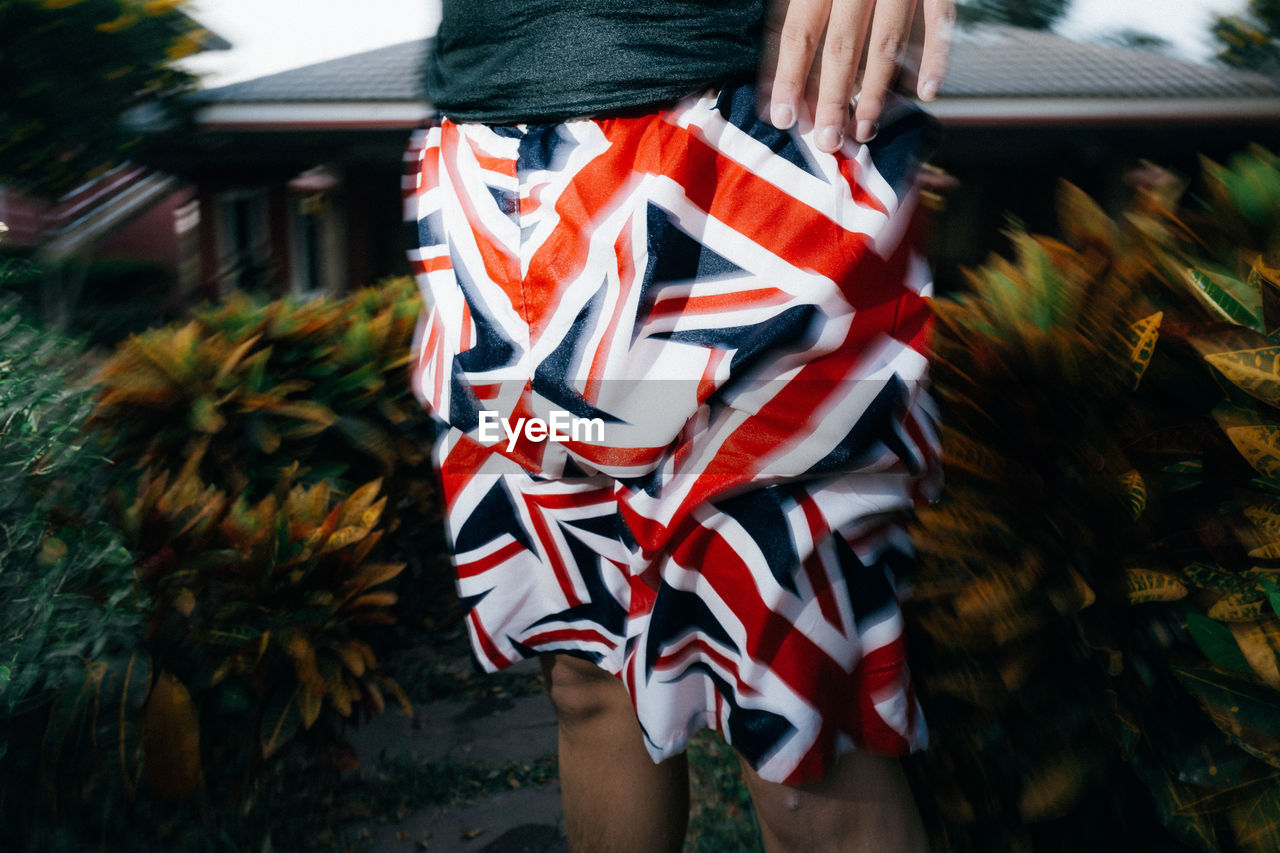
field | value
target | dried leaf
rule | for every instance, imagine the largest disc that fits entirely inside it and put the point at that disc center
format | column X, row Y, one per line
column 344, row 537
column 303, row 654
column 1256, row 821
column 1259, row 643
column 171, row 740
column 1083, row 222
column 308, row 704
column 1244, row 709
column 361, row 500
column 374, row 599
column 1053, row 788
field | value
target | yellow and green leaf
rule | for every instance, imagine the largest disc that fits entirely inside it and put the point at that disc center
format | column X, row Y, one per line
column 1145, row 585
column 1256, row 371
column 1260, row 446
column 1141, row 339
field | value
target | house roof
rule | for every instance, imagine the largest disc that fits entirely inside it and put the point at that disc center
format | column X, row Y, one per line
column 1007, row 75
column 380, row 88
column 998, row 61
column 997, row 75
column 392, row 73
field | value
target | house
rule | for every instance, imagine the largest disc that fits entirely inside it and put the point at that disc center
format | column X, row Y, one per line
column 298, row 172
column 133, row 214
column 1021, row 109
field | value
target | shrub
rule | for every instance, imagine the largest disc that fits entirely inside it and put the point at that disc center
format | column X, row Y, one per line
column 100, row 302
column 265, row 450
column 193, row 586
column 1098, row 589
column 66, row 580
column 259, row 386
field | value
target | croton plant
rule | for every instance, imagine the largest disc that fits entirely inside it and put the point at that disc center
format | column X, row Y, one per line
column 1099, row 594
column 264, row 452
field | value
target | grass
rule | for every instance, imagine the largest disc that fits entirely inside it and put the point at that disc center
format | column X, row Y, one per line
column 721, row 819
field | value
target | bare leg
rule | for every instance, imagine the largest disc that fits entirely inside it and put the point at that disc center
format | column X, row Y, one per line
column 616, row 800
column 863, row 805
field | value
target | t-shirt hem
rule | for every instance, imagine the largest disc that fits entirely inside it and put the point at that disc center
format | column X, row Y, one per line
column 635, row 103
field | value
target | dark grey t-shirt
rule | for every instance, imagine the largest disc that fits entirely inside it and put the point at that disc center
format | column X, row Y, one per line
column 508, row 61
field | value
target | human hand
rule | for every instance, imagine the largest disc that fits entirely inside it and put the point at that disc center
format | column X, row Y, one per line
column 802, row 66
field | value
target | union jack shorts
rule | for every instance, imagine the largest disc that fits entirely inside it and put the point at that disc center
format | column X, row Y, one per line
column 678, row 362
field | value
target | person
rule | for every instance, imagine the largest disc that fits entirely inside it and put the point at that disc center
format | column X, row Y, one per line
column 674, row 335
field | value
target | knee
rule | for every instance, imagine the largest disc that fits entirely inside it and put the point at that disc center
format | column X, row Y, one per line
column 864, row 803
column 581, row 691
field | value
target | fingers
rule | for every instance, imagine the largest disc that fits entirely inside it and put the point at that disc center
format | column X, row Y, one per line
column 797, row 43
column 841, row 52
column 885, row 51
column 881, row 28
column 940, row 19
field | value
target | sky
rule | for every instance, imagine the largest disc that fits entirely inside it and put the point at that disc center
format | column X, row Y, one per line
column 272, row 35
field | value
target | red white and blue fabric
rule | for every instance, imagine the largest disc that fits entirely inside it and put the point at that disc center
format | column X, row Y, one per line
column 748, row 318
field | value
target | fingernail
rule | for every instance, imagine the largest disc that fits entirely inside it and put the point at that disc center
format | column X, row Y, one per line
column 867, row 131
column 827, row 139
column 928, row 90
column 782, row 116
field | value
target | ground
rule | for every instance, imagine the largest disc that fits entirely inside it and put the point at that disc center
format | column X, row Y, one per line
column 474, row 769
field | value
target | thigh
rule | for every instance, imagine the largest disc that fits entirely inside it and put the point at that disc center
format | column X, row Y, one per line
column 863, row 803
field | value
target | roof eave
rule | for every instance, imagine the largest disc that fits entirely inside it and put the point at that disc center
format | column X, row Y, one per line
column 313, row 115
column 968, row 111
column 951, row 111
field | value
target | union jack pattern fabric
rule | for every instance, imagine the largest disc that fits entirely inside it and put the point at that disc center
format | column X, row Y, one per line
column 745, row 319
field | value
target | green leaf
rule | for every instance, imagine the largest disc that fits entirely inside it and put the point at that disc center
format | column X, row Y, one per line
column 66, row 718
column 1225, row 797
column 1172, row 801
column 1244, row 709
column 232, row 635
column 280, row 721
column 1226, row 298
column 1217, row 643
column 1252, row 183
column 1272, row 590
column 204, row 416
column 1048, row 304
column 1216, row 762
